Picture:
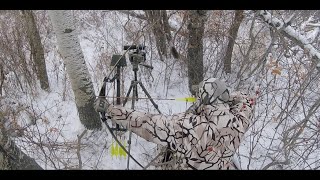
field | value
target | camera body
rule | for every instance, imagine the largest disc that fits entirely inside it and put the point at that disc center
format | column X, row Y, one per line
column 138, row 54
column 137, row 58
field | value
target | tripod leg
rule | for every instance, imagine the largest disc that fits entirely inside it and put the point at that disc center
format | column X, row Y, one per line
column 146, row 92
column 134, row 97
column 136, row 92
column 128, row 93
column 129, row 148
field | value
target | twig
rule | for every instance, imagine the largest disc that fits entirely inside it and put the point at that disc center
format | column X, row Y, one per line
column 78, row 148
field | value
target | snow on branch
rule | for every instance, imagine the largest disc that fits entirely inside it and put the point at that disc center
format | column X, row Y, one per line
column 292, row 34
column 314, row 24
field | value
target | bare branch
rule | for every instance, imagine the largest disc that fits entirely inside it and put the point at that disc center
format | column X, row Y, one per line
column 314, row 24
column 78, row 148
column 133, row 14
column 292, row 34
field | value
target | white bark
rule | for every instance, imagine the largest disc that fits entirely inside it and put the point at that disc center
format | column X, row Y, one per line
column 70, row 49
column 291, row 33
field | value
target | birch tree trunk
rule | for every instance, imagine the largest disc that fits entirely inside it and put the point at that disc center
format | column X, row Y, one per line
column 70, row 49
column 36, row 48
column 196, row 22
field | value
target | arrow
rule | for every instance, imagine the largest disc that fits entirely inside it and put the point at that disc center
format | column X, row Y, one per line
column 187, row 99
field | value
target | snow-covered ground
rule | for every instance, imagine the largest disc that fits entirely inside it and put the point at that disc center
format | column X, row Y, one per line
column 54, row 140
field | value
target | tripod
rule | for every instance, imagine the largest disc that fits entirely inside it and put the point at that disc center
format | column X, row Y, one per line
column 134, row 88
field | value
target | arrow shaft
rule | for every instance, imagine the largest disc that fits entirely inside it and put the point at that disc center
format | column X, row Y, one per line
column 138, row 98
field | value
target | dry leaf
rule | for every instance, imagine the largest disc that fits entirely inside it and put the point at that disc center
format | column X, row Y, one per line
column 53, row 130
column 276, row 71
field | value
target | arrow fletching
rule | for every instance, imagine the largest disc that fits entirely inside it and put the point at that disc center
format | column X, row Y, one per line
column 187, row 99
column 116, row 149
column 121, row 151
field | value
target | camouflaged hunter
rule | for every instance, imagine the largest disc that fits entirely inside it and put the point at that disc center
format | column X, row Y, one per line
column 205, row 138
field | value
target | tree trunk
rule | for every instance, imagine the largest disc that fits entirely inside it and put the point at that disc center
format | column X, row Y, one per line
column 78, row 73
column 11, row 157
column 196, row 22
column 160, row 27
column 166, row 26
column 2, row 78
column 167, row 31
column 231, row 39
column 36, row 48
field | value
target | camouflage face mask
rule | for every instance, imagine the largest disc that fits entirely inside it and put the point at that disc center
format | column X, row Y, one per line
column 212, row 91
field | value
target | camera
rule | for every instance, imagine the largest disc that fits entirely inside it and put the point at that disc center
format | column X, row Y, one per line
column 138, row 55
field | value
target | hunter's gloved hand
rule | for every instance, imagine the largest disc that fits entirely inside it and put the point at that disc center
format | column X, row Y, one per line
column 101, row 104
column 237, row 97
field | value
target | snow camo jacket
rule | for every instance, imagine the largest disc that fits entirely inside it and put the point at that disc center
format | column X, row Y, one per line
column 206, row 138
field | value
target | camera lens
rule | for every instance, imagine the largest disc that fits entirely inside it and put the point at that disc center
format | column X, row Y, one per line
column 140, row 47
